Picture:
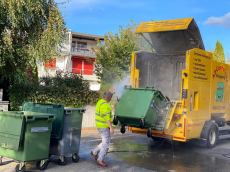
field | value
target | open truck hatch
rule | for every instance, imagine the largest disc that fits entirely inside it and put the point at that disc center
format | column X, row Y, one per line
column 172, row 36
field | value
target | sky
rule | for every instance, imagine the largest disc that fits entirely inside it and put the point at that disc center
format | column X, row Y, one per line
column 98, row 17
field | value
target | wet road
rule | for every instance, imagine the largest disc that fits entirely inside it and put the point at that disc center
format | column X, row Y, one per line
column 132, row 152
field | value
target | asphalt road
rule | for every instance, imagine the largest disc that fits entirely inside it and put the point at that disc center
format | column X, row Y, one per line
column 137, row 153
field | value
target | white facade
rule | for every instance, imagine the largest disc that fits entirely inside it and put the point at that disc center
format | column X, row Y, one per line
column 72, row 58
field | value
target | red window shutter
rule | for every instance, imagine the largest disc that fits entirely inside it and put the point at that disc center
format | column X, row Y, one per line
column 51, row 64
column 88, row 68
column 77, row 66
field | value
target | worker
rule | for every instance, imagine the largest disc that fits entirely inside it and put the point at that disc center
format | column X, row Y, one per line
column 103, row 120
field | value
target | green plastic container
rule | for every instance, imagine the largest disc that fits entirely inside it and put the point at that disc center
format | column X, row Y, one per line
column 140, row 107
column 56, row 109
column 25, row 136
column 66, row 134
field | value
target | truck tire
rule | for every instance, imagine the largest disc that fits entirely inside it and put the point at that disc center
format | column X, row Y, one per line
column 211, row 136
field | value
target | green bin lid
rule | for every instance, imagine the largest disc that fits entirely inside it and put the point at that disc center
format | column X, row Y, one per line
column 56, row 109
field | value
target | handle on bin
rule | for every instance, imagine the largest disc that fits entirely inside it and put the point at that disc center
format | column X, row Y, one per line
column 30, row 118
column 68, row 111
column 51, row 118
column 37, row 105
column 82, row 111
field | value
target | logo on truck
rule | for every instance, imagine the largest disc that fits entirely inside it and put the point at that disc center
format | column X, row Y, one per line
column 219, row 96
column 220, row 68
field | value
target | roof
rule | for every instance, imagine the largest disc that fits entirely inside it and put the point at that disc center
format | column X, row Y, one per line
column 86, row 36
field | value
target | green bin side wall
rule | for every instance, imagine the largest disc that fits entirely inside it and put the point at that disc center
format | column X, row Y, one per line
column 35, row 146
column 12, row 135
column 136, row 104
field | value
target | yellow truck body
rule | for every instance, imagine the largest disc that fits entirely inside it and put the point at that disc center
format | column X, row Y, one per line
column 182, row 70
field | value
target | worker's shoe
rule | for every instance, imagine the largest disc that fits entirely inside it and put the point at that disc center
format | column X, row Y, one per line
column 102, row 163
column 95, row 156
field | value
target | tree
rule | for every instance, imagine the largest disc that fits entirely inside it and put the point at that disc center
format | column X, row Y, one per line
column 114, row 54
column 30, row 30
column 219, row 53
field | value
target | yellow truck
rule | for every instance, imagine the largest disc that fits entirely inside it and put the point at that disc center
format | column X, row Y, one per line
column 197, row 86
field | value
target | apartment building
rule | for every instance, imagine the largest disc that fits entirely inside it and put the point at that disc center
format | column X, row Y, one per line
column 73, row 58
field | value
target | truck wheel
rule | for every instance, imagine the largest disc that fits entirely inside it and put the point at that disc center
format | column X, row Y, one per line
column 115, row 120
column 22, row 170
column 142, row 123
column 211, row 136
column 122, row 129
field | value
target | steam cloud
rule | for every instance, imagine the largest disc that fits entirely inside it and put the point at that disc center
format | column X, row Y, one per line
column 120, row 87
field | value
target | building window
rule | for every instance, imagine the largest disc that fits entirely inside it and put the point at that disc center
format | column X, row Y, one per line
column 82, row 66
column 51, row 64
column 81, row 45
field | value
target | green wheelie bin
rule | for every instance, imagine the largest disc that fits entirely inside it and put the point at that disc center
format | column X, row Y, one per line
column 66, row 133
column 141, row 107
column 25, row 136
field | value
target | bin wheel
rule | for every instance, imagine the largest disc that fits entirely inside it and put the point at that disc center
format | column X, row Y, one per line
column 22, row 170
column 64, row 162
column 0, row 161
column 43, row 167
column 75, row 158
column 149, row 133
column 115, row 120
column 142, row 123
column 122, row 129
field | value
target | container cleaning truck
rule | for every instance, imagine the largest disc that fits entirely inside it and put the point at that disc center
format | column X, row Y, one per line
column 178, row 91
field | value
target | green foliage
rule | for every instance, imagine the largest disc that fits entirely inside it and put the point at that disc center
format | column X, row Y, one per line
column 219, row 53
column 65, row 88
column 105, row 86
column 30, row 30
column 114, row 54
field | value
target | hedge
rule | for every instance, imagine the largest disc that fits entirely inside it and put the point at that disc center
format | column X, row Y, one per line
column 65, row 88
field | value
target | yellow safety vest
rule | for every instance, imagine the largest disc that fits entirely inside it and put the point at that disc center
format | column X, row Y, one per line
column 103, row 114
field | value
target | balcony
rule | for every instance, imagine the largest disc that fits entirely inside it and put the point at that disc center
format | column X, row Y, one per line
column 87, row 74
column 81, row 50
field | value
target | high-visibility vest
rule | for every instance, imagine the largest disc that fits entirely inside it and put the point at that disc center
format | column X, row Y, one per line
column 103, row 114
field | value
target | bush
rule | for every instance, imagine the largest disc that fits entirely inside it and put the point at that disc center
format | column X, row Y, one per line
column 65, row 88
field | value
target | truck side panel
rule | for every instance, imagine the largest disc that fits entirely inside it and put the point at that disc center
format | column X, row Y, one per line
column 198, row 65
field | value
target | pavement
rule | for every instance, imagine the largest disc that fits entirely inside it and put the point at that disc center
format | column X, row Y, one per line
column 136, row 153
column 89, row 140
